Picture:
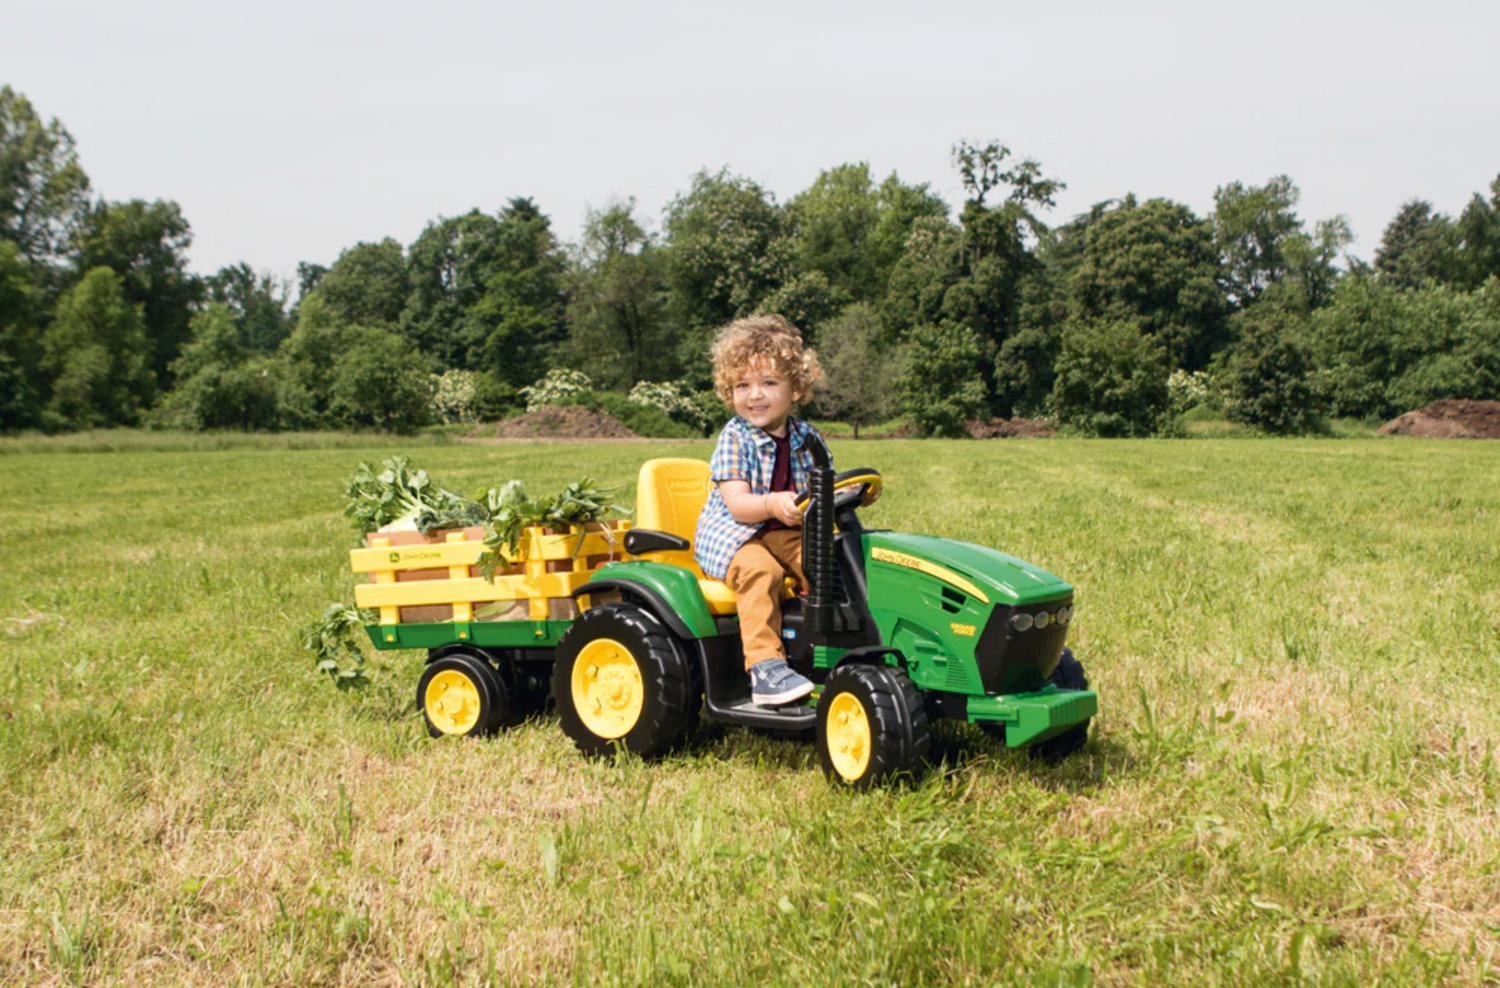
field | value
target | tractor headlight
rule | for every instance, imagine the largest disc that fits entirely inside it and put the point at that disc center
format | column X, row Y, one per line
column 1021, row 622
column 1042, row 619
column 1064, row 615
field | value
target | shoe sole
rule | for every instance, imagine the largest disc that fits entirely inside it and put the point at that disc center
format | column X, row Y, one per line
column 776, row 700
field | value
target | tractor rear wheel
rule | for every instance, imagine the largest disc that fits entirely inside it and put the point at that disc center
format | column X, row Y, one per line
column 1069, row 676
column 621, row 680
column 872, row 726
column 460, row 694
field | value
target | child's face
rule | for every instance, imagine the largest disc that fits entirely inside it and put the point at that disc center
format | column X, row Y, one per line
column 763, row 398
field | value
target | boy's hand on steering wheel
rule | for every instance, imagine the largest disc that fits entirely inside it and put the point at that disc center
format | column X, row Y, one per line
column 783, row 507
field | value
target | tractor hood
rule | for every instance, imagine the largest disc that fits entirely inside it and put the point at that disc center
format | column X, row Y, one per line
column 1002, row 578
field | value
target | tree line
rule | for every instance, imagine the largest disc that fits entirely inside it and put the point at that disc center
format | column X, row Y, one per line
column 1112, row 322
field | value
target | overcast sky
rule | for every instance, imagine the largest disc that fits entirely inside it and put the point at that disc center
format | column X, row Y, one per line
column 288, row 131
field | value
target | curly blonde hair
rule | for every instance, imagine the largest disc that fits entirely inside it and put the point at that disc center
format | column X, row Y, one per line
column 763, row 340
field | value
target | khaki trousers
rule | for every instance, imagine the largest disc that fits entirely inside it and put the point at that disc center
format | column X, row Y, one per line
column 756, row 575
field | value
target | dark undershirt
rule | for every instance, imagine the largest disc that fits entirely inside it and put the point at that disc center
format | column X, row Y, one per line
column 781, row 474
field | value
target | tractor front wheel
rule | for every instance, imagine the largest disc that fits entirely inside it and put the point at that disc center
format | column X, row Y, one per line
column 872, row 726
column 621, row 680
column 459, row 693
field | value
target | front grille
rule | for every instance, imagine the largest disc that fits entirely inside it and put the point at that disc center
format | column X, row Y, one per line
column 1012, row 661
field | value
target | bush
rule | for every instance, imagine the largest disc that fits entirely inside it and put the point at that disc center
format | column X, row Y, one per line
column 555, row 386
column 379, row 384
column 1268, row 384
column 241, row 397
column 643, row 420
column 494, row 397
column 1111, row 379
column 453, row 396
column 944, row 382
column 672, row 400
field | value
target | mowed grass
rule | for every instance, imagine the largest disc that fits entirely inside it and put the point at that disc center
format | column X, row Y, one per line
column 1293, row 778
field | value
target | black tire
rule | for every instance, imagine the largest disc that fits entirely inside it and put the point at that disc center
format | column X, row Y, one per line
column 461, row 694
column 891, row 706
column 1069, row 676
column 660, row 687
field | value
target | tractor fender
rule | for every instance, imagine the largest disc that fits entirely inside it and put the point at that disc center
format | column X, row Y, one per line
column 669, row 592
column 872, row 655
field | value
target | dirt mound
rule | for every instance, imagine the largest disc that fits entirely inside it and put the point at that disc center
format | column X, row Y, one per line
column 1010, row 429
column 558, row 422
column 1449, row 419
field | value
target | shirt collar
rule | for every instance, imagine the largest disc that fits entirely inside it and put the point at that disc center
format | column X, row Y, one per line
column 796, row 431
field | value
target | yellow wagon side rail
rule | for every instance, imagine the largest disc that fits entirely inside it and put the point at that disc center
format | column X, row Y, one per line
column 552, row 566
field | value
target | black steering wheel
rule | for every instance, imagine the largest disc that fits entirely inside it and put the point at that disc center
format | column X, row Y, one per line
column 859, row 486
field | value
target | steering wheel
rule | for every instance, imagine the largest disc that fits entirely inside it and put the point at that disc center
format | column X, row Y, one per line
column 858, row 486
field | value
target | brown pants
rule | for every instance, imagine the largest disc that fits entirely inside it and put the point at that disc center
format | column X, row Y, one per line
column 756, row 575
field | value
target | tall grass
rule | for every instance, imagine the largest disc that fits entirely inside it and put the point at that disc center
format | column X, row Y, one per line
column 1292, row 779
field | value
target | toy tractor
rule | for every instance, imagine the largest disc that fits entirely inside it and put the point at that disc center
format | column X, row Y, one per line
column 895, row 630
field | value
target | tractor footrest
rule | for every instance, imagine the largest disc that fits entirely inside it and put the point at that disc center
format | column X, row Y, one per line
column 743, row 711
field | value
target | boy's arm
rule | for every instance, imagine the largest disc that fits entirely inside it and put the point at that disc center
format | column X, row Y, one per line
column 752, row 509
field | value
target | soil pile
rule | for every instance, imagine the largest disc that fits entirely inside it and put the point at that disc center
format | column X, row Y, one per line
column 557, row 422
column 1010, row 429
column 1449, row 419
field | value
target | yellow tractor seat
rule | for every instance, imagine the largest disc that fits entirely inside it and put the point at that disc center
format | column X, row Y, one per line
column 670, row 494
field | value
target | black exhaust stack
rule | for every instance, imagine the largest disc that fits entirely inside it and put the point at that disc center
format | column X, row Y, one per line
column 817, row 543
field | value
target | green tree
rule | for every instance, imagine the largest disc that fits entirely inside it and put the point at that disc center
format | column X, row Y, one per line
column 1111, row 379
column 853, row 232
column 221, row 383
column 367, row 285
column 1381, row 351
column 857, row 387
column 450, row 267
column 728, row 250
column 944, row 384
column 43, row 190
column 378, row 383
column 1154, row 263
column 619, row 333
column 1418, row 248
column 258, row 304
column 96, row 351
column 145, row 244
column 1478, row 230
column 981, row 274
column 1262, row 241
column 525, row 300
column 21, row 391
column 1267, row 373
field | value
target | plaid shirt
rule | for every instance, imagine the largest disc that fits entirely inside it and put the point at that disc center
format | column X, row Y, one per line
column 746, row 453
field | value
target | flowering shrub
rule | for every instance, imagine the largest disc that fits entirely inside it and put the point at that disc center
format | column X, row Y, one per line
column 552, row 389
column 1186, row 390
column 453, row 396
column 678, row 405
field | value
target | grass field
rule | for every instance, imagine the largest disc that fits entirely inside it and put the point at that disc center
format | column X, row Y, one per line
column 1293, row 778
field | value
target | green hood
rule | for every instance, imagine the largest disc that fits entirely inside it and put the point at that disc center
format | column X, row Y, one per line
column 1003, row 578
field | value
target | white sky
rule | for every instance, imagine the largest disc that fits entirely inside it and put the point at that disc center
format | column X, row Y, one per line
column 288, row 131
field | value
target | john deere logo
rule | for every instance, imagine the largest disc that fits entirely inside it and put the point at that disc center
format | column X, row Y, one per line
column 395, row 557
column 685, row 486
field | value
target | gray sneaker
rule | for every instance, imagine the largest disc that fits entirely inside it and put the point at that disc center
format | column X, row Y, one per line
column 773, row 682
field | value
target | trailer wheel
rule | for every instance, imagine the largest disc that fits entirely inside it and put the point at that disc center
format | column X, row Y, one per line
column 1069, row 676
column 620, row 680
column 460, row 694
column 872, row 726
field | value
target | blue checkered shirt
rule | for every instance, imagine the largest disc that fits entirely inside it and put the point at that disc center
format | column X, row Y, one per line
column 746, row 453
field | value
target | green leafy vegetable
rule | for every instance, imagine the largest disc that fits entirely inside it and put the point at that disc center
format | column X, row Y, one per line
column 334, row 642
column 399, row 493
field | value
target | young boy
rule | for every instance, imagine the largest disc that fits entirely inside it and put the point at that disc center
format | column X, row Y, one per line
column 749, row 534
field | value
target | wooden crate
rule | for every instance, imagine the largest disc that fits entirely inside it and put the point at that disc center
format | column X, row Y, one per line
column 422, row 579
